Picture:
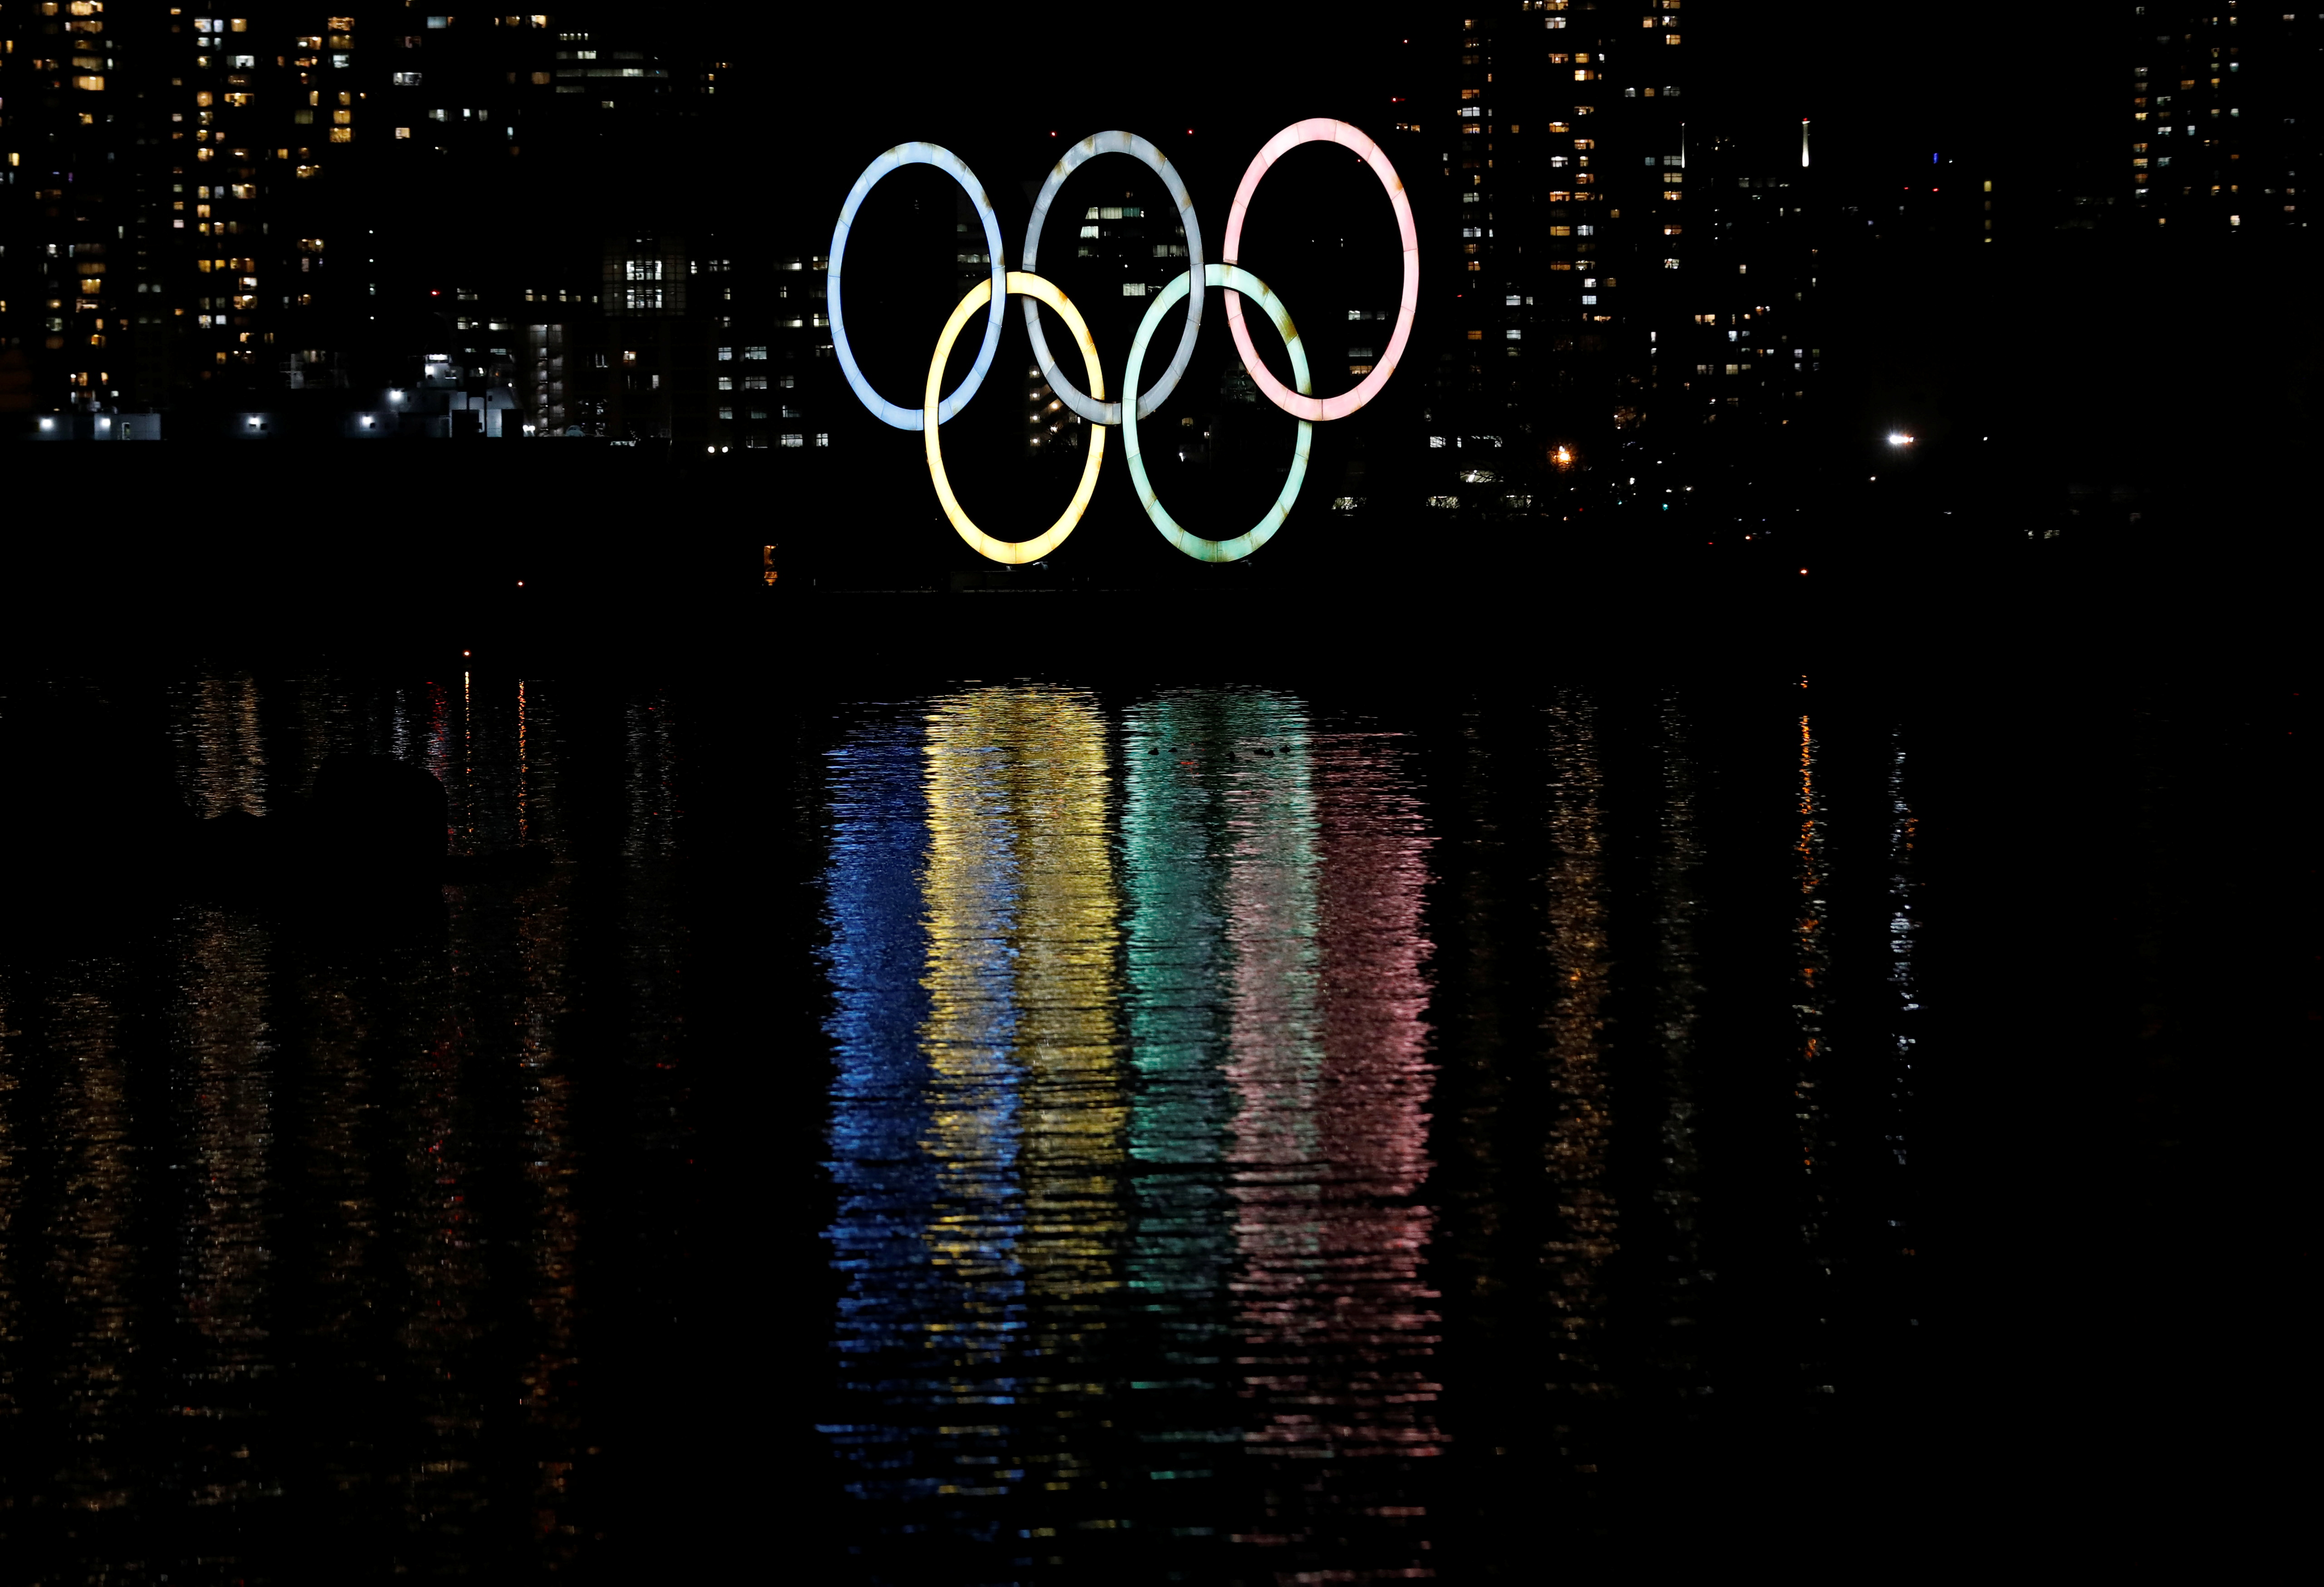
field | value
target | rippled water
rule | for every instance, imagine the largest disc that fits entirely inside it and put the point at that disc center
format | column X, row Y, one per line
column 1147, row 1063
column 1131, row 1115
column 295, row 1212
column 1022, row 1130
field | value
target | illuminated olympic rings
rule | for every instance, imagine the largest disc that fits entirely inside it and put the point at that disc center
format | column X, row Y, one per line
column 1236, row 282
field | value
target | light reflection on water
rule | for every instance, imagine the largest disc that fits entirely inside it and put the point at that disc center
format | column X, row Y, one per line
column 1266, row 1140
column 1137, row 1098
column 291, row 1257
column 1128, row 1212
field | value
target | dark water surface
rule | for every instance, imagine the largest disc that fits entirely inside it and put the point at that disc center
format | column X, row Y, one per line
column 994, row 1131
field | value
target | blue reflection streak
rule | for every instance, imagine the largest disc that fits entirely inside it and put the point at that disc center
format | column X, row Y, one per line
column 921, row 908
column 879, row 1113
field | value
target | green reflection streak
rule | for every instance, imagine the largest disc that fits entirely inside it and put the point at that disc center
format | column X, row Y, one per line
column 1219, row 861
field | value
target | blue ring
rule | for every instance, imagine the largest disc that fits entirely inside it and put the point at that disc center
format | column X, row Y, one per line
column 945, row 160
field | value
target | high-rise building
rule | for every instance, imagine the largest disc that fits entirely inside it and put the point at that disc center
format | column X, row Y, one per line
column 198, row 205
column 1632, row 270
column 2220, row 142
column 1123, row 247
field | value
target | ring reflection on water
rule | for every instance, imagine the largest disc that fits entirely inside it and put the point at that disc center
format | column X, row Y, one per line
column 1250, row 1136
column 1129, row 1117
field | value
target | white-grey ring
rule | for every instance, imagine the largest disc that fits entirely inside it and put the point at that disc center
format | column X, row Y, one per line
column 1072, row 396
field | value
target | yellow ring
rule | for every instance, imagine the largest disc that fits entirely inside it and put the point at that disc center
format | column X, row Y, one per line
column 1021, row 283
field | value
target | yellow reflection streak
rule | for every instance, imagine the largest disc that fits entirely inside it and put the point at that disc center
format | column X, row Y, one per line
column 1810, row 850
column 1579, row 962
column 1022, row 1041
column 1677, row 991
column 221, row 756
column 93, row 1258
column 229, row 1132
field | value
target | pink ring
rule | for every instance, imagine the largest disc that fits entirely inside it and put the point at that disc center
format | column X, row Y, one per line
column 1322, row 130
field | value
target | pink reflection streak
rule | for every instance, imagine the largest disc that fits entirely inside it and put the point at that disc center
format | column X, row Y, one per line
column 1328, row 1040
column 1322, row 130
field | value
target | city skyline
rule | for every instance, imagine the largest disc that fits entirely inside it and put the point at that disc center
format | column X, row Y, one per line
column 1644, row 276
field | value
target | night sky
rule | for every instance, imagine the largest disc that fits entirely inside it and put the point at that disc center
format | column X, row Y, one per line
column 1880, row 82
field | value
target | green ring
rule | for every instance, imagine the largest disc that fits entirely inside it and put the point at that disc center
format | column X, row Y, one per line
column 1234, row 278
